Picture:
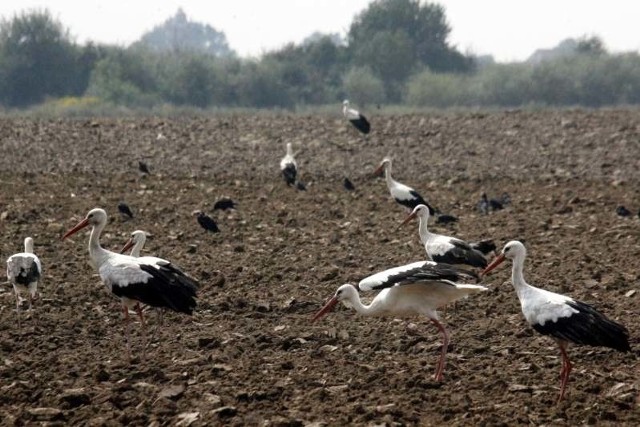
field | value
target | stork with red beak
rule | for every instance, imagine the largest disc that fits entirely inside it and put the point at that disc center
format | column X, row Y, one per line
column 419, row 288
column 147, row 280
column 563, row 318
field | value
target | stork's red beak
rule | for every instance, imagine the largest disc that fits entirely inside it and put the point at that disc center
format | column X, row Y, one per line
column 496, row 262
column 82, row 224
column 378, row 170
column 411, row 216
column 127, row 246
column 330, row 305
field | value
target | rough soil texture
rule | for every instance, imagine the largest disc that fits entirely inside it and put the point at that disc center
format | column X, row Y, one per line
column 250, row 354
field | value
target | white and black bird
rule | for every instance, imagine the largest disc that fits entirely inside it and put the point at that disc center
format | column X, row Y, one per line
column 445, row 249
column 24, row 271
column 124, row 209
column 137, row 280
column 206, row 222
column 359, row 121
column 403, row 194
column 289, row 167
column 224, row 203
column 563, row 318
column 419, row 288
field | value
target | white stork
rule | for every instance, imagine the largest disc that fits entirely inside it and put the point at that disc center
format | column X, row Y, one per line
column 147, row 280
column 359, row 121
column 419, row 288
column 403, row 194
column 289, row 167
column 24, row 271
column 565, row 319
column 445, row 249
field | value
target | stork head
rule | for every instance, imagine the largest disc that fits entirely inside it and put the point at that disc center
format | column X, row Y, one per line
column 420, row 211
column 345, row 103
column 95, row 217
column 344, row 294
column 381, row 167
column 512, row 250
column 137, row 236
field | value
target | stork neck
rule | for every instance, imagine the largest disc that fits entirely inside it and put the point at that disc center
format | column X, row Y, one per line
column 137, row 248
column 363, row 309
column 387, row 174
column 28, row 245
column 517, row 276
column 289, row 150
column 422, row 228
column 96, row 252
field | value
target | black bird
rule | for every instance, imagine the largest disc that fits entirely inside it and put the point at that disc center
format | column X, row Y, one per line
column 484, row 246
column 124, row 209
column 485, row 205
column 207, row 222
column 224, row 204
column 142, row 166
column 348, row 185
column 622, row 211
column 445, row 218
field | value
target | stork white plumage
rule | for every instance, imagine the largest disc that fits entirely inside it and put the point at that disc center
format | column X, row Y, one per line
column 402, row 194
column 565, row 319
column 24, row 271
column 359, row 121
column 445, row 249
column 147, row 280
column 289, row 167
column 419, row 288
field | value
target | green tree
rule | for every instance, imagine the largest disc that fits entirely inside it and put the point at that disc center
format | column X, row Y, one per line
column 37, row 60
column 362, row 85
column 179, row 34
column 408, row 24
column 126, row 76
column 193, row 82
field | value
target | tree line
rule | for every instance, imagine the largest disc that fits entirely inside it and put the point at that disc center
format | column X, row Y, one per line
column 396, row 51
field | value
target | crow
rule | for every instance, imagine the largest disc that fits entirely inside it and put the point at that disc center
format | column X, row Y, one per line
column 142, row 166
column 207, row 222
column 224, row 204
column 124, row 209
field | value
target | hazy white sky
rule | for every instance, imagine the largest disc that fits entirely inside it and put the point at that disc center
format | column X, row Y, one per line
column 507, row 29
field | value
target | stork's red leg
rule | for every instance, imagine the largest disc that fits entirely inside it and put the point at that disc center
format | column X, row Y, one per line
column 566, row 369
column 140, row 315
column 18, row 309
column 445, row 346
column 125, row 310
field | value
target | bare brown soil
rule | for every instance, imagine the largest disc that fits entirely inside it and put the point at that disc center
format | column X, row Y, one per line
column 250, row 354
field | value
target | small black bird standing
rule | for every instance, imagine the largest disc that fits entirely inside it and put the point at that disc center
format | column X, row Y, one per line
column 484, row 246
column 485, row 205
column 622, row 211
column 124, row 209
column 348, row 185
column 142, row 166
column 224, row 204
column 445, row 218
column 207, row 222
